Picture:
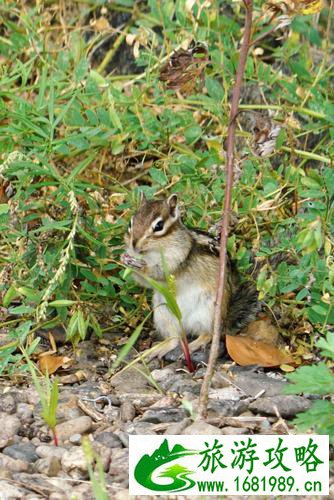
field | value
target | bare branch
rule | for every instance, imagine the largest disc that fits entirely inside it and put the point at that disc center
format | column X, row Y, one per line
column 217, row 322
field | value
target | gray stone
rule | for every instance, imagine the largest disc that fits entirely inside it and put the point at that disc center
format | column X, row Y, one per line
column 234, row 430
column 49, row 466
column 109, row 439
column 140, row 428
column 226, row 408
column 163, row 375
column 67, row 408
column 7, row 403
column 127, row 411
column 74, row 463
column 25, row 412
column 225, row 394
column 176, row 428
column 250, row 382
column 201, row 427
column 75, row 439
column 8, row 463
column 130, row 382
column 10, row 425
column 104, row 453
column 22, row 451
column 119, row 465
column 11, row 492
column 287, row 406
column 45, row 451
column 164, row 415
column 123, row 437
column 111, row 413
column 79, row 425
column 31, row 396
column 182, row 383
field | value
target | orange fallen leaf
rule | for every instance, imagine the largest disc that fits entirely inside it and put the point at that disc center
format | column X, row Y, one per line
column 246, row 351
column 50, row 363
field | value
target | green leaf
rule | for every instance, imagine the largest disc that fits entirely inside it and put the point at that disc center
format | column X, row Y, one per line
column 281, row 138
column 62, row 303
column 327, row 346
column 82, row 327
column 215, row 90
column 158, row 176
column 4, row 208
column 314, row 379
column 129, row 344
column 10, row 295
column 319, row 418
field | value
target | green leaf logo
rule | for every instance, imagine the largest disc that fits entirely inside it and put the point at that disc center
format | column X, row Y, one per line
column 177, row 473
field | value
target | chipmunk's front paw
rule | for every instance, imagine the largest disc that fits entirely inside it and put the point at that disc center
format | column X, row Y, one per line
column 130, row 261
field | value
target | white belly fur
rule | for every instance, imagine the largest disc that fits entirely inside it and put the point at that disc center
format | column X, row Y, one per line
column 197, row 308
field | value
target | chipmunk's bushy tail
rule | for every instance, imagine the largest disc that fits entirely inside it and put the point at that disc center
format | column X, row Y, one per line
column 244, row 303
column 244, row 306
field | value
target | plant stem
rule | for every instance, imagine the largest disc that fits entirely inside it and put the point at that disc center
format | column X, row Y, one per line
column 55, row 437
column 110, row 54
column 307, row 154
column 217, row 321
column 278, row 107
column 187, row 357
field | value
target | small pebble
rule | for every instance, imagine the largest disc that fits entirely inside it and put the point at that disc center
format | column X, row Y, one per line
column 44, row 451
column 79, row 425
column 25, row 412
column 75, row 439
column 109, row 439
column 234, row 431
column 7, row 404
column 22, row 451
column 50, row 466
column 201, row 427
column 127, row 411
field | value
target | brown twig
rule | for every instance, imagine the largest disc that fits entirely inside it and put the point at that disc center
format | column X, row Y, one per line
column 217, row 322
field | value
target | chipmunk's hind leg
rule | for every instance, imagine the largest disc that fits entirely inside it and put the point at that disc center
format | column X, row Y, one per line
column 200, row 343
column 198, row 348
column 168, row 345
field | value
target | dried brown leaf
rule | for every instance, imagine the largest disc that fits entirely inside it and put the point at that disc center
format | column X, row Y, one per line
column 245, row 351
column 184, row 68
column 50, row 363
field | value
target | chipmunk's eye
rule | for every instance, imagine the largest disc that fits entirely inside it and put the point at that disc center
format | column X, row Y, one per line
column 158, row 226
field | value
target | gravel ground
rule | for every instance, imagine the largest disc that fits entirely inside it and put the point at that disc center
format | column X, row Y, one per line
column 241, row 401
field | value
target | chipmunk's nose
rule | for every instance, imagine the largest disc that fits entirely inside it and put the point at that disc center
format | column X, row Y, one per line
column 135, row 245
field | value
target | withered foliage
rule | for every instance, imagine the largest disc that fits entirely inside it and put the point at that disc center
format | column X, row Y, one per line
column 292, row 7
column 265, row 132
column 185, row 68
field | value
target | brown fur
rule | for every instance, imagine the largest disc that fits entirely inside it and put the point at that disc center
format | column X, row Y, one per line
column 193, row 258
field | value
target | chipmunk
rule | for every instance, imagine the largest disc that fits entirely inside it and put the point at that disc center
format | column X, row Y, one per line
column 192, row 257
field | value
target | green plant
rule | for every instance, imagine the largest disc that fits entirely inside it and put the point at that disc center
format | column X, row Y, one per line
column 97, row 476
column 316, row 379
column 78, row 143
column 168, row 291
column 48, row 395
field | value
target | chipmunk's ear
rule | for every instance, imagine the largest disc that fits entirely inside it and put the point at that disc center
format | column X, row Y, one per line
column 172, row 204
column 143, row 199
